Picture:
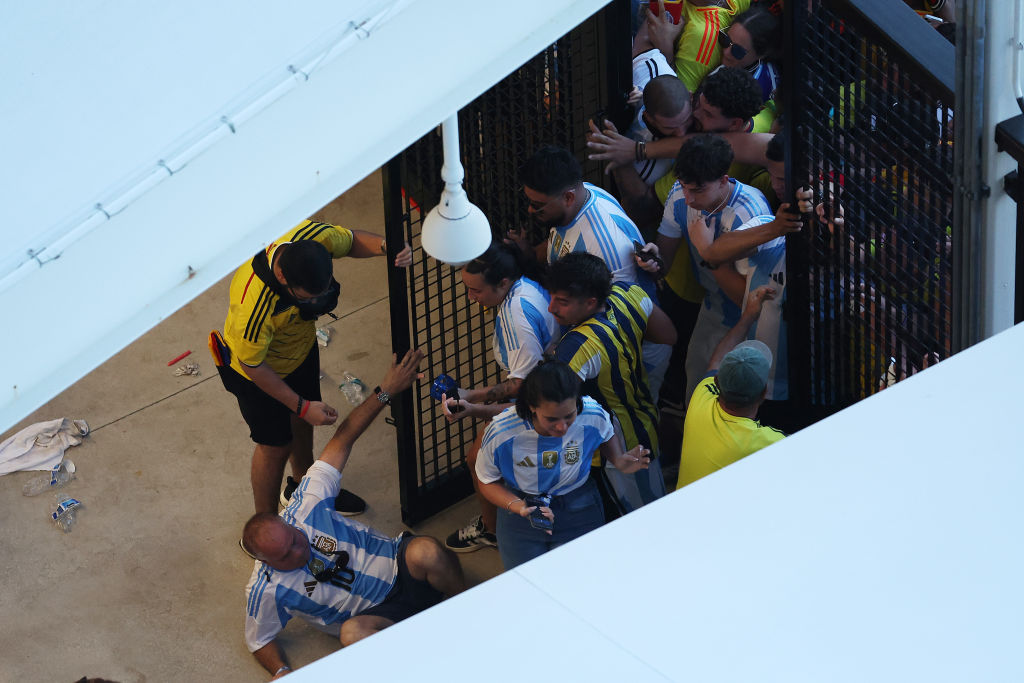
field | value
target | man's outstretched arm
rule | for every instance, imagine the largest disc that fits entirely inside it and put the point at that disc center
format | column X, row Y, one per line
column 399, row 378
column 272, row 659
column 739, row 331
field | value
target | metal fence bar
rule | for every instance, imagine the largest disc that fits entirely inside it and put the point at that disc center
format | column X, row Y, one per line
column 869, row 122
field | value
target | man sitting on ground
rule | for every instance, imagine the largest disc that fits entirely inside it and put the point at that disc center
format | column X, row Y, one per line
column 721, row 425
column 339, row 575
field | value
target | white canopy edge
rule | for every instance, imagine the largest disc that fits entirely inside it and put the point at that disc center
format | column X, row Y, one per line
column 181, row 233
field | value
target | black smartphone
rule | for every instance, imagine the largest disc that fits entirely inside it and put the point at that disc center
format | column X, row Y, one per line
column 598, row 118
column 638, row 249
column 538, row 520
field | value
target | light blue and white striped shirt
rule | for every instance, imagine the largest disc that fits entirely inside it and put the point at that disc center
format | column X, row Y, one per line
column 603, row 229
column 523, row 328
column 767, row 266
column 273, row 596
column 513, row 451
column 744, row 203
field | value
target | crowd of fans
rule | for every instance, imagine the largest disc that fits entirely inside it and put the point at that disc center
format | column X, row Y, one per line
column 641, row 341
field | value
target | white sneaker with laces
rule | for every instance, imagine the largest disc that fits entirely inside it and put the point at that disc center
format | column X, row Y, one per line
column 471, row 537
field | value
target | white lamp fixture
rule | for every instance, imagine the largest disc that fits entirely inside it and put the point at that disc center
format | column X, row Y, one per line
column 455, row 231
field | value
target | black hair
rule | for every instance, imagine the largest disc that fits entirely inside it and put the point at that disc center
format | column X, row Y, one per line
column 580, row 275
column 666, row 95
column 764, row 30
column 550, row 170
column 702, row 159
column 550, row 381
column 776, row 149
column 500, row 261
column 734, row 91
column 306, row 265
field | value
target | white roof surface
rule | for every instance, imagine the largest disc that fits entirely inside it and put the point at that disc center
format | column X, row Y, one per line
column 204, row 130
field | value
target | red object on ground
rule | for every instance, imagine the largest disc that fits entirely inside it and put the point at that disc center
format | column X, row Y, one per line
column 172, row 362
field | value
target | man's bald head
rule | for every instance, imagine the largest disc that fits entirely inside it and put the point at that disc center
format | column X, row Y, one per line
column 274, row 541
column 255, row 533
column 666, row 95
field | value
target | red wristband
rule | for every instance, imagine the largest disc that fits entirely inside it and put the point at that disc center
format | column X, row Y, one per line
column 305, row 409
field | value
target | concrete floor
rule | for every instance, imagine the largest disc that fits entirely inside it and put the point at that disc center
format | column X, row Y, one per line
column 150, row 583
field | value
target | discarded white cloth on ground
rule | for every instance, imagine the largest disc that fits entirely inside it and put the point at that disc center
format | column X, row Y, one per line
column 41, row 446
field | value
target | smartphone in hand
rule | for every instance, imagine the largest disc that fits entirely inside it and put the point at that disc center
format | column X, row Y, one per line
column 638, row 249
column 537, row 519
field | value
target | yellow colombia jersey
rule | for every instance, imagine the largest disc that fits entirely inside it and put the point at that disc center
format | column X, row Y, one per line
column 605, row 351
column 697, row 51
column 712, row 438
column 258, row 328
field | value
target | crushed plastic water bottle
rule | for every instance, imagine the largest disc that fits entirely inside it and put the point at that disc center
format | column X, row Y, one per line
column 66, row 513
column 353, row 388
column 323, row 336
column 61, row 474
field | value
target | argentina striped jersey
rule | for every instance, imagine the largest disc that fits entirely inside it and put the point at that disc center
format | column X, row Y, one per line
column 744, row 203
column 513, row 451
column 603, row 229
column 767, row 266
column 523, row 328
column 273, row 597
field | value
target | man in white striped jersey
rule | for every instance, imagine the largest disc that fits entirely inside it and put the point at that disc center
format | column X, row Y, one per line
column 583, row 217
column 706, row 203
column 339, row 575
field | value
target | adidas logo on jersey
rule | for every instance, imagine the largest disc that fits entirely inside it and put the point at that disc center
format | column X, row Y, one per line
column 310, row 585
column 526, row 462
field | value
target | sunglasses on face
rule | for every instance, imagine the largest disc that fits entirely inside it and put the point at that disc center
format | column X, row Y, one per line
column 306, row 299
column 738, row 51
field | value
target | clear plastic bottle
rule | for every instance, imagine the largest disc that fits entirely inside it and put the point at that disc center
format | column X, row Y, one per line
column 353, row 388
column 61, row 474
column 66, row 512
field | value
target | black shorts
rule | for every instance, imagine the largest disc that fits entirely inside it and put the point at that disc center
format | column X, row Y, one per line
column 408, row 596
column 269, row 420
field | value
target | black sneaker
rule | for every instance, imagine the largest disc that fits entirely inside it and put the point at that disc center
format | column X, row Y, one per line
column 349, row 504
column 471, row 537
column 289, row 489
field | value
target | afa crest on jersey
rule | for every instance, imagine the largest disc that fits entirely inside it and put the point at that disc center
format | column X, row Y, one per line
column 325, row 544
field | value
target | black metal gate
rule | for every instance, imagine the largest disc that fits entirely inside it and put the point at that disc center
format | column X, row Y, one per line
column 870, row 119
column 547, row 100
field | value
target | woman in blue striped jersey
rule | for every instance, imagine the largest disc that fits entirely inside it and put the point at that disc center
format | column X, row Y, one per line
column 523, row 331
column 534, row 464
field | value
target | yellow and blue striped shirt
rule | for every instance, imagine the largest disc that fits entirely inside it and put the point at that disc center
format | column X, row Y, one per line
column 605, row 351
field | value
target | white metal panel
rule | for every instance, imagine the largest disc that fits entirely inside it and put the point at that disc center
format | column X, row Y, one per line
column 496, row 639
column 101, row 91
column 1003, row 48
